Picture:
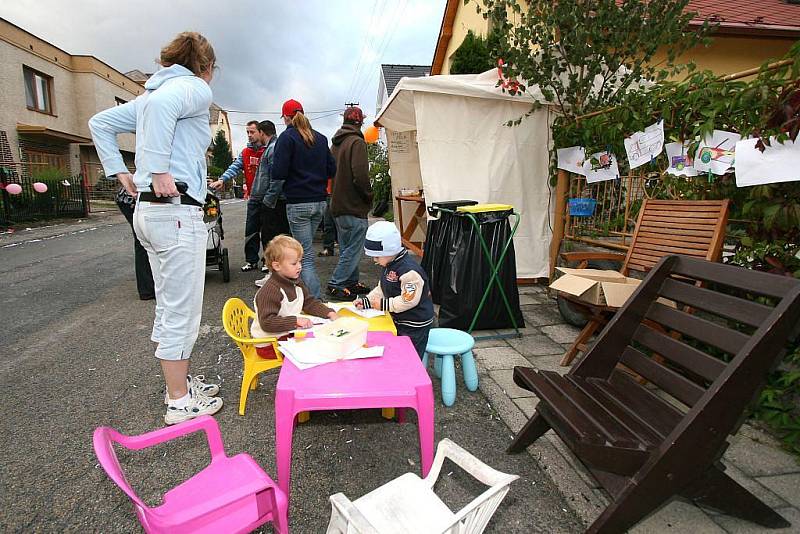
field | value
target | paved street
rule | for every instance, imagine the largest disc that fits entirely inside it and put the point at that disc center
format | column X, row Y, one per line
column 77, row 355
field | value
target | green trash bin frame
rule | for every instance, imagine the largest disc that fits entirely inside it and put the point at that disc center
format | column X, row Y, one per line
column 494, row 279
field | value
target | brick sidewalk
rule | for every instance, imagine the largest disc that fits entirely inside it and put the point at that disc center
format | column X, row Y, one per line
column 754, row 459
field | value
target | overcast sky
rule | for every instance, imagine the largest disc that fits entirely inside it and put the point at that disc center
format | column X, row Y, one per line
column 321, row 52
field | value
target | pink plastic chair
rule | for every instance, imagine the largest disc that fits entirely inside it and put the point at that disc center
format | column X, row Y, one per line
column 242, row 496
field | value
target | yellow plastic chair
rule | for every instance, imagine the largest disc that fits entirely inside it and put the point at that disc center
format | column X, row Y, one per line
column 236, row 317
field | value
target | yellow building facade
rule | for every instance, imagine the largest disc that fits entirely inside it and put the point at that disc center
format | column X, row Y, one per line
column 736, row 46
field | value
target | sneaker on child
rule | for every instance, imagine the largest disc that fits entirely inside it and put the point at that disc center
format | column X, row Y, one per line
column 197, row 383
column 191, row 406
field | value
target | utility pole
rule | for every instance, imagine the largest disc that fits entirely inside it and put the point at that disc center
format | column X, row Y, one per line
column 350, row 104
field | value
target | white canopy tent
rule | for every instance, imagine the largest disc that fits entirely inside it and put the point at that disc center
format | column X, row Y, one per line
column 447, row 135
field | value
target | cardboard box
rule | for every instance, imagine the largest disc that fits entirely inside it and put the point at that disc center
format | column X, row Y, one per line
column 595, row 286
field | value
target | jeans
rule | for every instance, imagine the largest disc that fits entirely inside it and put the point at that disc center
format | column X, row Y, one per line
column 419, row 337
column 144, row 276
column 328, row 227
column 253, row 235
column 274, row 222
column 351, row 230
column 304, row 219
column 174, row 236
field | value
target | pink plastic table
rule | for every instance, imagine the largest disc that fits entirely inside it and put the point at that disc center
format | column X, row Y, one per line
column 395, row 380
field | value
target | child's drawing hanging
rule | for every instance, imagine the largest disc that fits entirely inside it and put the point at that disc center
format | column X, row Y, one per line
column 644, row 147
column 680, row 161
column 778, row 163
column 716, row 153
column 600, row 167
column 571, row 159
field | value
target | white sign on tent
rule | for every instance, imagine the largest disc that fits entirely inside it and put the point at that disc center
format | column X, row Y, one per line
column 400, row 145
column 778, row 163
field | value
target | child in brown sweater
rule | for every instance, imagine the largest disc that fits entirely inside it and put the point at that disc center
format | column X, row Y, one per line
column 283, row 297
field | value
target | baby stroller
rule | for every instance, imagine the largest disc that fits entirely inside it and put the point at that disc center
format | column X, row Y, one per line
column 216, row 254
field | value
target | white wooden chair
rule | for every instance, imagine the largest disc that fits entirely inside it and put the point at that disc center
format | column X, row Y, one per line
column 409, row 504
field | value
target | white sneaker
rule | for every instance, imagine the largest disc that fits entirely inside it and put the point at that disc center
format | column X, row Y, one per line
column 261, row 281
column 198, row 405
column 197, row 383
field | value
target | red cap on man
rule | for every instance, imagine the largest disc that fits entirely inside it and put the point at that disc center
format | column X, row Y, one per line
column 290, row 108
column 354, row 115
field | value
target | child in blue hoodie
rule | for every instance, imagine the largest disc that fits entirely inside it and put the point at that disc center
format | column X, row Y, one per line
column 170, row 121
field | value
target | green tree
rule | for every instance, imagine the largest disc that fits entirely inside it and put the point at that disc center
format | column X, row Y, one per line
column 588, row 54
column 475, row 54
column 379, row 177
column 221, row 156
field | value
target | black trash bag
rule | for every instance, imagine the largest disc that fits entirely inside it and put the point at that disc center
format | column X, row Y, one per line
column 465, row 275
column 439, row 237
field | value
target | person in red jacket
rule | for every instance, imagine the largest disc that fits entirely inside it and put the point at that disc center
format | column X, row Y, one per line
column 248, row 162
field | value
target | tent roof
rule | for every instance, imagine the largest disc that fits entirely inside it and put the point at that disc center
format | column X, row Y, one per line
column 398, row 113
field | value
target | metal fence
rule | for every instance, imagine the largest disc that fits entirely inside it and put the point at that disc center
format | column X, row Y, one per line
column 613, row 219
column 59, row 193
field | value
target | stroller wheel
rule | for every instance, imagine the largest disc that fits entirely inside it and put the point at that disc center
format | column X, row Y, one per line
column 225, row 266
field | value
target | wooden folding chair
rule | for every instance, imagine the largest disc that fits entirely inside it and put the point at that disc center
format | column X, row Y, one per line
column 648, row 444
column 689, row 227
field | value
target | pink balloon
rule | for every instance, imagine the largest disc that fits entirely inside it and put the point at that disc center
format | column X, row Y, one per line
column 39, row 187
column 14, row 189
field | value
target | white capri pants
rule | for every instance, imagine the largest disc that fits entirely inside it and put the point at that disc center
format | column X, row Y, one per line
column 174, row 237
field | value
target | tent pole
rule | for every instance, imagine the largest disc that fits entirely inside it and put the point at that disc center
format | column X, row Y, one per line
column 562, row 185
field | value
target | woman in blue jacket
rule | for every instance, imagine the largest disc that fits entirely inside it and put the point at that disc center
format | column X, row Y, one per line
column 302, row 164
column 170, row 120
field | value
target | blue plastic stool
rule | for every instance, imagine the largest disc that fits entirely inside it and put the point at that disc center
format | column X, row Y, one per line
column 446, row 344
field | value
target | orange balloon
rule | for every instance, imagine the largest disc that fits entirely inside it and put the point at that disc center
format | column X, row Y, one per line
column 371, row 134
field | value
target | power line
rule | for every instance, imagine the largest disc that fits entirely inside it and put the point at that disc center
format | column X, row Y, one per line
column 381, row 27
column 278, row 112
column 397, row 13
column 351, row 87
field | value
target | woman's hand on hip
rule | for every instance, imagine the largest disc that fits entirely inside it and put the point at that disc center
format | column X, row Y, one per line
column 126, row 181
column 164, row 185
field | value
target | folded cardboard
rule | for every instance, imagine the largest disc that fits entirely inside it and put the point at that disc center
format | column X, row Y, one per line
column 595, row 286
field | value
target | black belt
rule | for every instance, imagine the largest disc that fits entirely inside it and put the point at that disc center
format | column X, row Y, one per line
column 146, row 196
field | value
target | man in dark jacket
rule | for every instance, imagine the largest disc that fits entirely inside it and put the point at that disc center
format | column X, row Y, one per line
column 263, row 221
column 351, row 201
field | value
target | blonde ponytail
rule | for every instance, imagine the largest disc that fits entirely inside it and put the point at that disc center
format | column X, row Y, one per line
column 303, row 127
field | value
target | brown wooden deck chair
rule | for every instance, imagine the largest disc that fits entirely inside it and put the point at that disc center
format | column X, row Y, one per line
column 690, row 227
column 646, row 445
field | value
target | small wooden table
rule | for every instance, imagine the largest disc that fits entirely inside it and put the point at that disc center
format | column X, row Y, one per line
column 407, row 231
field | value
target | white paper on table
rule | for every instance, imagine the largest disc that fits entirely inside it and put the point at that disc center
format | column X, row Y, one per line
column 571, row 159
column 716, row 153
column 607, row 169
column 367, row 313
column 778, row 163
column 643, row 147
column 304, row 354
column 680, row 161
column 314, row 319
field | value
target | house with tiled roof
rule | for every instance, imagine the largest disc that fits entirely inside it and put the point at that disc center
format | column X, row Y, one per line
column 748, row 32
column 391, row 76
